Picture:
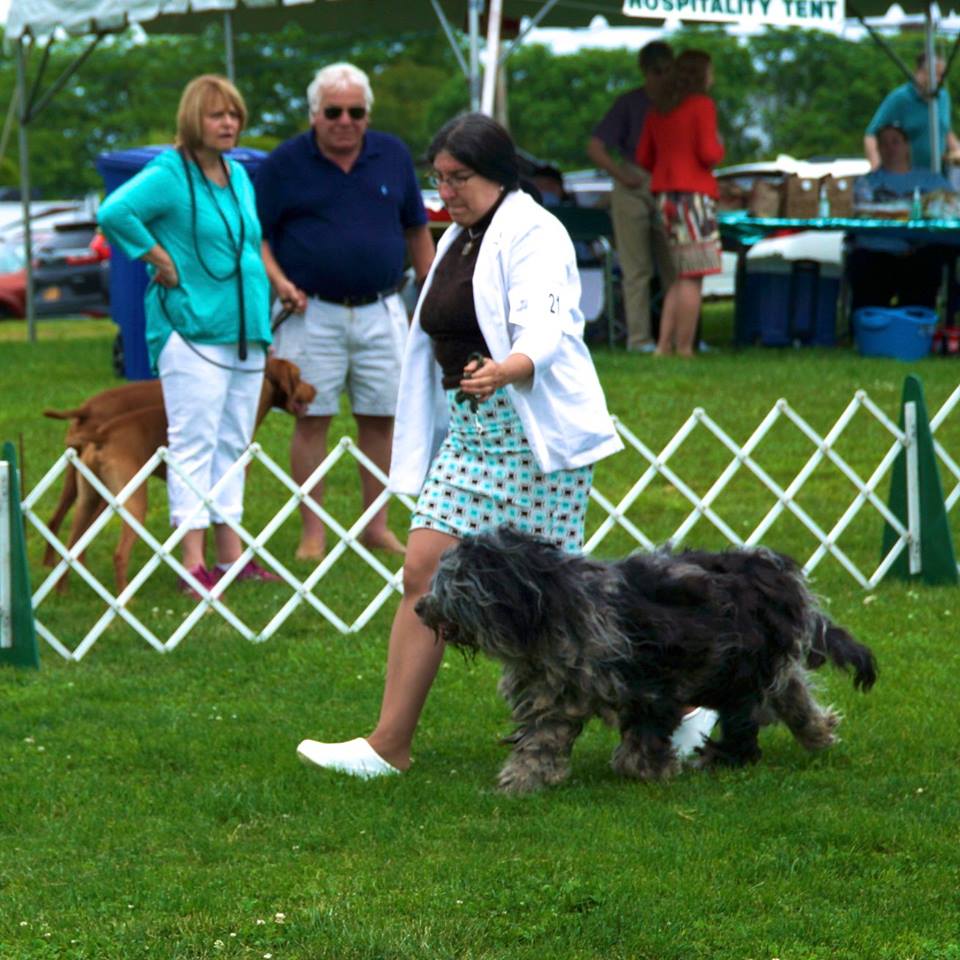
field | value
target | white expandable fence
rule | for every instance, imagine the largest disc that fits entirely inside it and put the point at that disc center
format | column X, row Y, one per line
column 820, row 449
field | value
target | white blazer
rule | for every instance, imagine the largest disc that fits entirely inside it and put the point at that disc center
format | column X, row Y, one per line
column 526, row 291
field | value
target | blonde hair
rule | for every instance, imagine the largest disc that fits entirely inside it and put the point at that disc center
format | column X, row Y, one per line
column 197, row 97
column 336, row 77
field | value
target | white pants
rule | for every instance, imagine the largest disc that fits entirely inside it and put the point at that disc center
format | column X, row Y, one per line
column 357, row 349
column 211, row 413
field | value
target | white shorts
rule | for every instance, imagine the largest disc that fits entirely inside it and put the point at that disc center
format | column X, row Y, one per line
column 357, row 349
column 211, row 413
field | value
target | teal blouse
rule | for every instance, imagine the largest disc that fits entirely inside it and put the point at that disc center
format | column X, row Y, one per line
column 154, row 207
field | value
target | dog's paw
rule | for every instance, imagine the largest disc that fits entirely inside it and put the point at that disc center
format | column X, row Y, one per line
column 644, row 765
column 518, row 782
column 712, row 756
column 820, row 732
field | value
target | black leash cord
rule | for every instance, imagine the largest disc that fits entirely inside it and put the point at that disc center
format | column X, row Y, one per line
column 237, row 270
column 162, row 297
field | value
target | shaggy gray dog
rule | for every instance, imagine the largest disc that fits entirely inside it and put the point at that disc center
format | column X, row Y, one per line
column 633, row 642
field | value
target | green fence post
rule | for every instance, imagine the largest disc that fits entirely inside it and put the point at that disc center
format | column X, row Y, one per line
column 915, row 489
column 18, row 642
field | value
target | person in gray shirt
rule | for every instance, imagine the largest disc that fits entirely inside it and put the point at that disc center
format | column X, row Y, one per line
column 640, row 238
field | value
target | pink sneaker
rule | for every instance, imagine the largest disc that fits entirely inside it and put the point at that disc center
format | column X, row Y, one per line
column 253, row 571
column 206, row 578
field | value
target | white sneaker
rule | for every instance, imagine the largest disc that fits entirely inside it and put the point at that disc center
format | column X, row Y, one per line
column 693, row 732
column 355, row 757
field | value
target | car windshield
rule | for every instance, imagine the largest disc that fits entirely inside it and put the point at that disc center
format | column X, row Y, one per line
column 11, row 257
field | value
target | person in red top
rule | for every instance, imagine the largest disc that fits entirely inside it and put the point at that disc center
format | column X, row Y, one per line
column 680, row 147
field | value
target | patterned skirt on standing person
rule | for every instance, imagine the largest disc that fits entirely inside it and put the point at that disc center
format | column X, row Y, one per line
column 485, row 475
column 690, row 220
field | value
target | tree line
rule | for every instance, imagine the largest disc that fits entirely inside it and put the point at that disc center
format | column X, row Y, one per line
column 806, row 93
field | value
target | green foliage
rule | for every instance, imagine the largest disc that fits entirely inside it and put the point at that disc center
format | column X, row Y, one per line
column 152, row 806
column 784, row 91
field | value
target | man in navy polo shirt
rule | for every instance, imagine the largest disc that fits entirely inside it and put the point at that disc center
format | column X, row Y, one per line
column 340, row 208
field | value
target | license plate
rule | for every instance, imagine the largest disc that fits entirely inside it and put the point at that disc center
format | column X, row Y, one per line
column 50, row 293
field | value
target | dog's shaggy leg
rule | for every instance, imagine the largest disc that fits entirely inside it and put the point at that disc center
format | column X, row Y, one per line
column 541, row 756
column 812, row 725
column 644, row 755
column 738, row 746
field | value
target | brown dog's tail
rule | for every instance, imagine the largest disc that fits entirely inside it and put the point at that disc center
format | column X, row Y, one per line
column 833, row 643
column 63, row 414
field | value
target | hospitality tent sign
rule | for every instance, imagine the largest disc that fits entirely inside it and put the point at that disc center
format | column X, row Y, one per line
column 789, row 13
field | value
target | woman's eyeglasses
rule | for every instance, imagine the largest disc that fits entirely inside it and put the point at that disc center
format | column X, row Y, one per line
column 455, row 181
column 355, row 113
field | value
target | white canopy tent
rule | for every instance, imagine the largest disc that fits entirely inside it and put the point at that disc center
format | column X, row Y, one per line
column 37, row 22
column 40, row 22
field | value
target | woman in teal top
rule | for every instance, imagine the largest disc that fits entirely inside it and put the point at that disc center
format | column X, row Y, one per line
column 191, row 215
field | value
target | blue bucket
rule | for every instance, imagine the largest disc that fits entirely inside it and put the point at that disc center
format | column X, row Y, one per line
column 905, row 333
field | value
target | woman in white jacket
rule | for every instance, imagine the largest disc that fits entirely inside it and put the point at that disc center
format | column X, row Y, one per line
column 509, row 439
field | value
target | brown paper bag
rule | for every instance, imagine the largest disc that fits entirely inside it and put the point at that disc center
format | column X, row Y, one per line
column 764, row 199
column 800, row 197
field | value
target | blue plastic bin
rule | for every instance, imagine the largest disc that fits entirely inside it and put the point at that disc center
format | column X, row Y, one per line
column 905, row 333
column 128, row 278
column 787, row 303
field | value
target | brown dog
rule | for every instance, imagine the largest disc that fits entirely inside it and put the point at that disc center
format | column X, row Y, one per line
column 115, row 437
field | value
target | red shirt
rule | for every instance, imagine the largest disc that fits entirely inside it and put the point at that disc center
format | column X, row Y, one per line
column 681, row 148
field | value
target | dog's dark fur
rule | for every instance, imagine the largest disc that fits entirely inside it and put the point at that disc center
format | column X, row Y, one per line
column 634, row 642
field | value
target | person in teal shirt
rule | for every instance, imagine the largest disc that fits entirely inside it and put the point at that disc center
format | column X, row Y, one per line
column 907, row 108
column 191, row 215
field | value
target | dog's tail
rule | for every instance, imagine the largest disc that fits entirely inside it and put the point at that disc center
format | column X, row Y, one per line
column 833, row 643
column 63, row 414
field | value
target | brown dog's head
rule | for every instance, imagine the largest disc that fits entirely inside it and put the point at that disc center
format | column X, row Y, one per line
column 289, row 391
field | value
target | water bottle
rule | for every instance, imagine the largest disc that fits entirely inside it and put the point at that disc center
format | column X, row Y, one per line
column 916, row 207
column 823, row 204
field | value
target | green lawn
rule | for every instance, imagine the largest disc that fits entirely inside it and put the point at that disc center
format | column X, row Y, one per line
column 152, row 806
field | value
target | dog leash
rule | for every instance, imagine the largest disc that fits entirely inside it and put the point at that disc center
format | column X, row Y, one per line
column 285, row 314
column 462, row 396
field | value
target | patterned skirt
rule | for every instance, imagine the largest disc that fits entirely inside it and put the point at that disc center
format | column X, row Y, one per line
column 690, row 220
column 485, row 475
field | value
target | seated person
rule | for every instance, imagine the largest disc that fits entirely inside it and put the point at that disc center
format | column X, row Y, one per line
column 883, row 269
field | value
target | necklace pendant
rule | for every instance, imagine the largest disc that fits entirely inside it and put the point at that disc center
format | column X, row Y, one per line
column 467, row 247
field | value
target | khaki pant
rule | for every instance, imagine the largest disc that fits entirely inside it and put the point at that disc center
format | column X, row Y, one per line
column 641, row 243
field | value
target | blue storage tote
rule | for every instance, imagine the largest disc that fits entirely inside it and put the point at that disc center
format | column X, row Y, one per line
column 787, row 302
column 128, row 278
column 905, row 333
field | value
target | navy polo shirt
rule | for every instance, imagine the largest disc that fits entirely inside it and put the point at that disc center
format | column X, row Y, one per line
column 336, row 234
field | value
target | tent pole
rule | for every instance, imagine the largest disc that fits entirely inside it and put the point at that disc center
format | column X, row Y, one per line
column 473, row 25
column 532, row 24
column 493, row 57
column 25, row 188
column 451, row 39
column 228, row 46
column 933, row 92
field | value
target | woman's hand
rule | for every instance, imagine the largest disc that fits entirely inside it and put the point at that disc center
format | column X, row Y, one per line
column 483, row 378
column 166, row 272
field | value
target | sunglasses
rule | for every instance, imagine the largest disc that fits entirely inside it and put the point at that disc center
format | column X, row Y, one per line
column 355, row 113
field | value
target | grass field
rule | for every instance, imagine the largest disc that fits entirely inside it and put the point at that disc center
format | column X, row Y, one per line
column 152, row 806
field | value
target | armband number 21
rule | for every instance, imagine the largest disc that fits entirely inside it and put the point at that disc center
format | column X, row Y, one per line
column 554, row 303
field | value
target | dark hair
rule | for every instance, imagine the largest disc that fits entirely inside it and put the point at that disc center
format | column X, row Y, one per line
column 893, row 126
column 655, row 55
column 481, row 144
column 921, row 62
column 687, row 76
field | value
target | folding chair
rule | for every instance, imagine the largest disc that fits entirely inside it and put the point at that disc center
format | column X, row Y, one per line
column 592, row 225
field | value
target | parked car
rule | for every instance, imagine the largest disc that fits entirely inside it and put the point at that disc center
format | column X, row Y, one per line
column 72, row 271
column 13, row 281
column 71, row 262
